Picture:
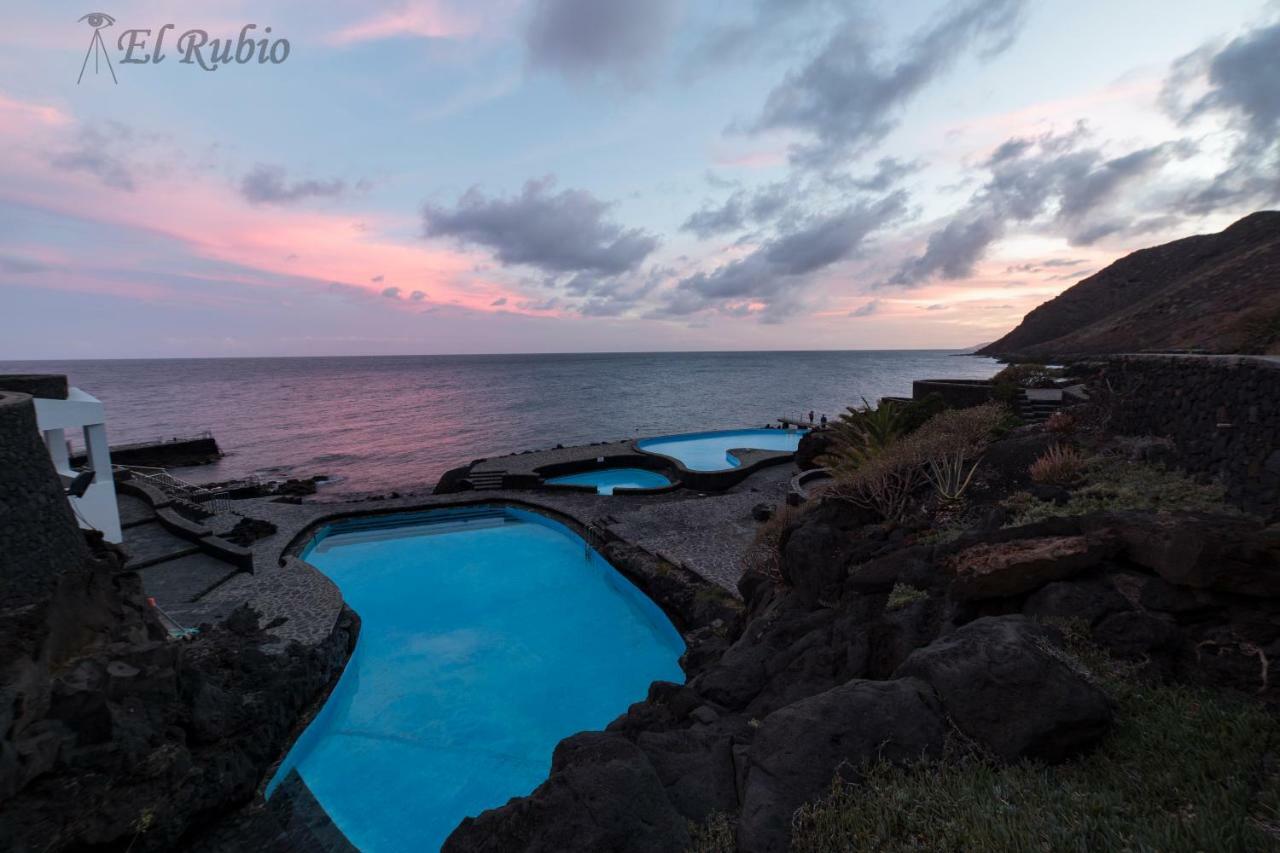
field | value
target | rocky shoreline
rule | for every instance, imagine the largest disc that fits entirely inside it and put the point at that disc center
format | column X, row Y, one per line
column 860, row 642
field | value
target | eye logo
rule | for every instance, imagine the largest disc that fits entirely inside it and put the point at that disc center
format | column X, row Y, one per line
column 97, row 21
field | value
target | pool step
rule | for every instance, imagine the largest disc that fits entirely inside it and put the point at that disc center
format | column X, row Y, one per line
column 424, row 523
column 486, row 480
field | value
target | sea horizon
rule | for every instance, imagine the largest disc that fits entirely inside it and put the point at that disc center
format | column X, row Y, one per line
column 376, row 424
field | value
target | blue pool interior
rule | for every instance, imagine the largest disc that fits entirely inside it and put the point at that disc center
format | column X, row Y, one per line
column 607, row 479
column 488, row 635
column 709, row 451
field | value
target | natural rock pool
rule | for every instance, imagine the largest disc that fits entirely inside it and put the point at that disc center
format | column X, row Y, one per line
column 488, row 635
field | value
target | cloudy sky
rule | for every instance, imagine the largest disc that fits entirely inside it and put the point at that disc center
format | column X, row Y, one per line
column 450, row 176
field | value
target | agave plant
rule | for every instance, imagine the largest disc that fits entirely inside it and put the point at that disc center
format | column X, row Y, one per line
column 951, row 474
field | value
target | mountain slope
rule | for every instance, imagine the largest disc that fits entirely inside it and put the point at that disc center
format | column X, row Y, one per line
column 1214, row 292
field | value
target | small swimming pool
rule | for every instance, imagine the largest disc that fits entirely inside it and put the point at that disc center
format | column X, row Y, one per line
column 709, row 451
column 488, row 635
column 607, row 479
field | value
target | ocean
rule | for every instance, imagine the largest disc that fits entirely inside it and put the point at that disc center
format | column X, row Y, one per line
column 379, row 423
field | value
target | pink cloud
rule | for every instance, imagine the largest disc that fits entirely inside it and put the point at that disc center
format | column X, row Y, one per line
column 428, row 19
column 212, row 221
column 16, row 116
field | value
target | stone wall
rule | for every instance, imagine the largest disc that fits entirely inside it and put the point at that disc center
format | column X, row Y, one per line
column 39, row 538
column 1222, row 413
column 956, row 393
column 52, row 386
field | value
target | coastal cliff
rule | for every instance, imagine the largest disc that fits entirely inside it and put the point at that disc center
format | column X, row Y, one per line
column 1216, row 293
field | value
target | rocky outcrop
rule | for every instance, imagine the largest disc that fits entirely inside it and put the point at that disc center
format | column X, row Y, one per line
column 1012, row 568
column 113, row 735
column 603, row 794
column 1213, row 292
column 802, row 747
column 1003, row 686
column 813, row 444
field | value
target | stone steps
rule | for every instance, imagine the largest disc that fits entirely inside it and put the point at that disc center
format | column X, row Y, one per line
column 486, row 480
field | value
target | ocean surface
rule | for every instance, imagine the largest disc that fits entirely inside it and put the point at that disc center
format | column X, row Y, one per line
column 379, row 423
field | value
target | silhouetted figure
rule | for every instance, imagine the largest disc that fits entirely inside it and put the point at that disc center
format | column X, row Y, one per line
column 824, row 421
column 811, row 416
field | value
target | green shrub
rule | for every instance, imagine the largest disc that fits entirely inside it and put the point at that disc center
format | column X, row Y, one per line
column 903, row 594
column 1183, row 770
column 764, row 555
column 1113, row 483
column 950, row 440
column 1060, row 465
column 715, row 835
column 861, row 434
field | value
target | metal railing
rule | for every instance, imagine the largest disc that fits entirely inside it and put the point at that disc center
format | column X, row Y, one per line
column 214, row 500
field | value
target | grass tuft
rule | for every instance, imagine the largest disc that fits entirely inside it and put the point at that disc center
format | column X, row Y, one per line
column 1183, row 770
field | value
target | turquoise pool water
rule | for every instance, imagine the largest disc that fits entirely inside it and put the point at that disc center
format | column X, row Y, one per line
column 709, row 451
column 487, row 636
column 608, row 479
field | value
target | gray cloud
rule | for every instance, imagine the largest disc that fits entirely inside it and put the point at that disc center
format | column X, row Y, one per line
column 743, row 208
column 499, row 302
column 1027, row 177
column 564, row 232
column 585, row 38
column 890, row 171
column 377, row 279
column 1243, row 82
column 93, row 154
column 391, row 292
column 21, row 266
column 778, row 273
column 417, row 296
column 270, row 185
column 847, row 99
column 866, row 310
column 770, row 28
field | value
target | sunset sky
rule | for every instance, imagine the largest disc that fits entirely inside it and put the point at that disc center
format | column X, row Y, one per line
column 461, row 176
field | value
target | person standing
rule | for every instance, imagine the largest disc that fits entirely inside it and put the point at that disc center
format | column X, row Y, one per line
column 811, row 416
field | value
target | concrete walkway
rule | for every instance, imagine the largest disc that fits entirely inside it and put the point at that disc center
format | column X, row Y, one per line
column 706, row 533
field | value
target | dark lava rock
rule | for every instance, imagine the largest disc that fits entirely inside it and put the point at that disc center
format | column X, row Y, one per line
column 1205, row 552
column 1133, row 633
column 1090, row 600
column 1006, row 464
column 695, row 768
column 912, row 565
column 801, row 748
column 762, row 512
column 1001, row 569
column 603, row 794
column 249, row 530
column 1002, row 685
column 818, row 551
column 812, row 444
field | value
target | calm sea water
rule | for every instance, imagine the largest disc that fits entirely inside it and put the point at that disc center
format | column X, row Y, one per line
column 384, row 423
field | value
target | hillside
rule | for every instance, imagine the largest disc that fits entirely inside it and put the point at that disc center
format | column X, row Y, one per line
column 1212, row 292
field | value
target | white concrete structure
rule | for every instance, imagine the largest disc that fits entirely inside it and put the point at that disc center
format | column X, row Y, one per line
column 97, row 509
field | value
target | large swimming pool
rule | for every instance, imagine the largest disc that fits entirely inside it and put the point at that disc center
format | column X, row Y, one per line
column 709, row 451
column 607, row 479
column 488, row 635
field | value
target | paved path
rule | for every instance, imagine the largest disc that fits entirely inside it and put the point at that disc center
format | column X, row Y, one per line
column 706, row 533
column 174, row 570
